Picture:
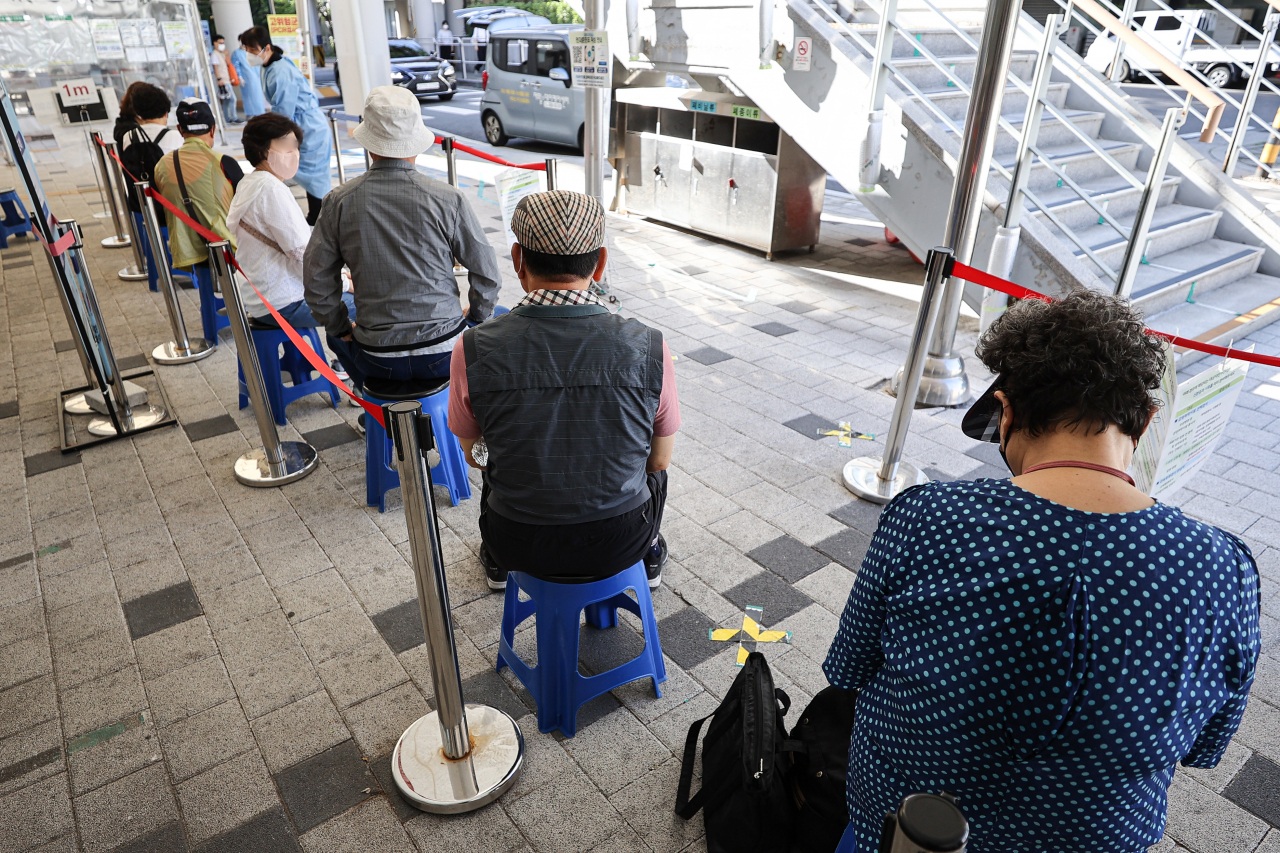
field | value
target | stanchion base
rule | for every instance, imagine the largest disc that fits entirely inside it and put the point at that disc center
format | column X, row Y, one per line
column 142, row 418
column 77, row 405
column 297, row 460
column 131, row 273
column 433, row 783
column 862, row 477
column 116, row 243
column 102, row 214
column 943, row 383
column 168, row 353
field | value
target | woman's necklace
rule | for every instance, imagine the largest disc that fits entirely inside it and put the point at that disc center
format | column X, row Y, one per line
column 1092, row 466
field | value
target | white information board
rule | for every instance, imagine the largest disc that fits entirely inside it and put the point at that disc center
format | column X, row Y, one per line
column 802, row 54
column 1179, row 440
column 592, row 62
column 513, row 185
column 177, row 35
column 106, row 38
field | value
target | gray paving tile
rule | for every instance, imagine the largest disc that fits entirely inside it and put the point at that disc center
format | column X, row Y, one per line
column 167, row 839
column 299, row 730
column 105, row 825
column 490, row 689
column 210, row 428
column 325, row 785
column 379, row 721
column 269, row 832
column 331, row 436
column 775, row 329
column 795, row 306
column 708, row 355
column 846, row 548
column 52, row 460
column 112, row 752
column 275, row 682
column 778, row 598
column 35, row 814
column 1256, row 788
column 861, row 515
column 221, row 799
column 566, row 815
column 189, row 690
column 789, row 558
column 370, row 826
column 684, row 637
column 489, row 830
column 162, row 609
column 616, row 740
column 809, row 425
column 204, row 740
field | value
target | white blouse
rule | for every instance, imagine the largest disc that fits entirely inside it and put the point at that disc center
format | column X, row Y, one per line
column 272, row 236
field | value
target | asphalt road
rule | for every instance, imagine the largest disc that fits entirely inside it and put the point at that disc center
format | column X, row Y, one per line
column 1157, row 100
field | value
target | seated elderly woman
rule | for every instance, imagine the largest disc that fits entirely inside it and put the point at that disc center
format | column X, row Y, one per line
column 1049, row 647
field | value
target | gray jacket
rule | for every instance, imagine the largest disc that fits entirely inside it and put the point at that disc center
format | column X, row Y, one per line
column 399, row 232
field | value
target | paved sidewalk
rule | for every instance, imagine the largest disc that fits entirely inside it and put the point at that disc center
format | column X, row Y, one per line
column 192, row 665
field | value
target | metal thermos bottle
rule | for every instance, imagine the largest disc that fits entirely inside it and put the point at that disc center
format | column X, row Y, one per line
column 925, row 823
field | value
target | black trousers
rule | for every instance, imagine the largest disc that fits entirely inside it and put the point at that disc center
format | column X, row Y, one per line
column 313, row 208
column 575, row 553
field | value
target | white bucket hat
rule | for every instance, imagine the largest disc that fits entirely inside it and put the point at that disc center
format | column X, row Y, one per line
column 392, row 125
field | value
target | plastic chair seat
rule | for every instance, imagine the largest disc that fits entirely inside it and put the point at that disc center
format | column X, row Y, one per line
column 15, row 220
column 268, row 340
column 379, row 476
column 555, row 683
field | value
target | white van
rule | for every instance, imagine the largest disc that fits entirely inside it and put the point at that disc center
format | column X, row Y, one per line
column 528, row 87
column 1174, row 34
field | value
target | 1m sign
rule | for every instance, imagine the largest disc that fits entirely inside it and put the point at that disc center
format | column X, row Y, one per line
column 78, row 92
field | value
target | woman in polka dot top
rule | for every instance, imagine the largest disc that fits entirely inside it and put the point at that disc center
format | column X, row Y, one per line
column 1049, row 647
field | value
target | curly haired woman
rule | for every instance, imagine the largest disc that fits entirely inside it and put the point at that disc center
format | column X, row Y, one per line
column 1049, row 647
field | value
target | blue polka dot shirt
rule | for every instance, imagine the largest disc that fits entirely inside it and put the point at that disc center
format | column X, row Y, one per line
column 1049, row 666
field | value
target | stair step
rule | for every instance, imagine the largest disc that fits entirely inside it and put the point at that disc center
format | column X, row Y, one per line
column 921, row 70
column 1197, row 271
column 1235, row 311
column 938, row 41
column 1078, row 161
column 1054, row 132
column 1117, row 196
column 954, row 103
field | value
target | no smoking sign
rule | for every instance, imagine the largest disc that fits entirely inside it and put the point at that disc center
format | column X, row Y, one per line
column 801, row 54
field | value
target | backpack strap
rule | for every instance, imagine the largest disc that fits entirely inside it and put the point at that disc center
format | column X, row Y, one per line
column 687, row 807
column 160, row 135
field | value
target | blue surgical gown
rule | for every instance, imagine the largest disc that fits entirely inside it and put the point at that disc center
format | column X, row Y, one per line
column 290, row 95
column 250, row 84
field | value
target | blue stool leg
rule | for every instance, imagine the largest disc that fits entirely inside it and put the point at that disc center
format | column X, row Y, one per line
column 557, row 629
column 268, row 346
column 602, row 614
column 208, row 310
column 372, row 460
column 153, row 273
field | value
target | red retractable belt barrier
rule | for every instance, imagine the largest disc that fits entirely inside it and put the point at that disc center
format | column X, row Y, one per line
column 458, row 146
column 301, row 343
column 986, row 279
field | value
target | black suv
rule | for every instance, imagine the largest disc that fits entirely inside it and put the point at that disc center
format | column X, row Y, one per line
column 414, row 68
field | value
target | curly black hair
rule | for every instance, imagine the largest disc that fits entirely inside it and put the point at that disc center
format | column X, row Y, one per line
column 264, row 129
column 1083, row 359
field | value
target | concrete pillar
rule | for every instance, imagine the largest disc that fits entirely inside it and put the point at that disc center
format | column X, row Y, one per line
column 423, row 17
column 360, row 37
column 231, row 18
column 452, row 6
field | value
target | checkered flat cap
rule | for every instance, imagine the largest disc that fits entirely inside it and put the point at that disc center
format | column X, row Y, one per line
column 559, row 222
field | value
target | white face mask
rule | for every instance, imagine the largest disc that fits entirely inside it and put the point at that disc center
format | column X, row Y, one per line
column 222, row 47
column 283, row 164
column 253, row 59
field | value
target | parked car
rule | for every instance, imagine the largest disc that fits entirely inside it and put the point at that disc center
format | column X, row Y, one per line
column 1174, row 34
column 417, row 69
column 528, row 87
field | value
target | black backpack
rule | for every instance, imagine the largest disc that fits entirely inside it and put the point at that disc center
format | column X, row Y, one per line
column 140, row 160
column 820, row 767
column 746, row 800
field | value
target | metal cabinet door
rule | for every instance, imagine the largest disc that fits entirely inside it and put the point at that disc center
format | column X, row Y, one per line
column 751, row 199
column 671, row 189
column 709, row 188
column 642, row 156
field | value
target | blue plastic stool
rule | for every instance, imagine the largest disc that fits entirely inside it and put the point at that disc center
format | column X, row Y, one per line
column 153, row 274
column 15, row 220
column 848, row 841
column 267, row 340
column 555, row 683
column 379, row 476
column 210, row 320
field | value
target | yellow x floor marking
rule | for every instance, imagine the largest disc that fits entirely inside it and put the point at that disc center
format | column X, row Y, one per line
column 749, row 633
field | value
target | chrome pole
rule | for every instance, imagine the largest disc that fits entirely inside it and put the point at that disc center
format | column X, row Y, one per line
column 459, row 757
column 1117, row 58
column 1004, row 248
column 869, row 156
column 138, row 271
column 96, row 165
column 553, row 166
column 1245, row 116
column 1136, row 251
column 945, row 382
column 276, row 462
column 878, row 479
column 450, row 159
column 181, row 349
column 337, row 148
column 595, row 134
column 119, row 241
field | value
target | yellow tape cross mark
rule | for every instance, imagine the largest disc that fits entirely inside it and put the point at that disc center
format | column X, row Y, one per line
column 749, row 634
column 846, row 434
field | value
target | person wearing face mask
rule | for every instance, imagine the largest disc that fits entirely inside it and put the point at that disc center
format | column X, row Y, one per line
column 222, row 76
column 251, row 99
column 290, row 95
column 272, row 233
column 1049, row 647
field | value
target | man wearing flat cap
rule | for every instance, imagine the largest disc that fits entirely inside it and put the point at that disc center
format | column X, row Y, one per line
column 569, row 410
column 398, row 231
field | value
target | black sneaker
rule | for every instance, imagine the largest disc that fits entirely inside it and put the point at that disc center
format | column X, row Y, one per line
column 654, row 561
column 495, row 577
column 360, row 424
column 336, row 366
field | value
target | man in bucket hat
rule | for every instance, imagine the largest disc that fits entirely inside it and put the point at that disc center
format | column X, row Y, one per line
column 569, row 410
column 399, row 232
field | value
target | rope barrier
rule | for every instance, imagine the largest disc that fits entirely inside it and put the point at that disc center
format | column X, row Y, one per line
column 986, row 279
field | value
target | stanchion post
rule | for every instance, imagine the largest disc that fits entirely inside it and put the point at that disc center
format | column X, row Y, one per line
column 337, row 147
column 879, row 479
column 595, row 130
column 946, row 383
column 552, row 176
column 138, row 270
column 119, row 241
column 1245, row 116
column 182, row 349
column 276, row 462
column 459, row 757
column 1136, row 251
column 450, row 159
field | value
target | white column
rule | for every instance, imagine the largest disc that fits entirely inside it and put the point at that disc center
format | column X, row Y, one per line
column 360, row 36
column 424, row 20
column 231, row 18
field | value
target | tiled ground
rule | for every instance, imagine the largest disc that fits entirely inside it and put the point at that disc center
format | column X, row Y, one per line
column 191, row 665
